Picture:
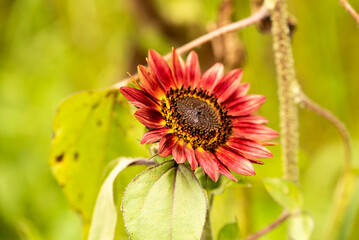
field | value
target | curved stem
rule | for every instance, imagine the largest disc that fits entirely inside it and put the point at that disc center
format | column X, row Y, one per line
column 256, row 17
column 313, row 106
column 270, row 227
column 286, row 83
column 350, row 10
column 143, row 162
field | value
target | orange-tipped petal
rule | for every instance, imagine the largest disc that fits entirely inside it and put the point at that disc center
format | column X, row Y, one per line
column 193, row 70
column 208, row 163
column 249, row 148
column 235, row 161
column 150, row 118
column 225, row 172
column 249, row 119
column 246, row 105
column 228, row 85
column 254, row 131
column 154, row 135
column 211, row 77
column 178, row 69
column 189, row 152
column 150, row 83
column 178, row 152
column 161, row 69
column 138, row 97
column 166, row 145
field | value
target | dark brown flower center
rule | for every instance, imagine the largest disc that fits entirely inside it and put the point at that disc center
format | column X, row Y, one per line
column 196, row 117
column 197, row 113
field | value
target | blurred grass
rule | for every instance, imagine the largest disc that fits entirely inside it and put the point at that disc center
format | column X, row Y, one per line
column 51, row 49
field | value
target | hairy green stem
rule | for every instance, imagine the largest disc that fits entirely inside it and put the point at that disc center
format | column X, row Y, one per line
column 207, row 231
column 286, row 83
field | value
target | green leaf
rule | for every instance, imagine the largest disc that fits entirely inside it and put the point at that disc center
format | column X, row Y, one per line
column 27, row 229
column 89, row 130
column 346, row 206
column 165, row 202
column 104, row 218
column 284, row 192
column 300, row 226
column 229, row 232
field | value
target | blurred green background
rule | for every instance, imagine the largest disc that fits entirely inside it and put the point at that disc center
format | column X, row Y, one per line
column 52, row 49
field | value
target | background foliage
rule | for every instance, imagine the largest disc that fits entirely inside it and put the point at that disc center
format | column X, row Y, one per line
column 52, row 49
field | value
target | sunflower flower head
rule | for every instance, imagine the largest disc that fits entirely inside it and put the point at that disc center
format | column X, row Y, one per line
column 205, row 119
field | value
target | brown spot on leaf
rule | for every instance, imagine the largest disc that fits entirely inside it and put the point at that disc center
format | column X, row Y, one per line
column 109, row 93
column 60, row 157
column 99, row 123
column 95, row 105
column 113, row 92
column 76, row 156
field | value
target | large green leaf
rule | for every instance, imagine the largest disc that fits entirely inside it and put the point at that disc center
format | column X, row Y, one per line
column 90, row 129
column 284, row 192
column 165, row 202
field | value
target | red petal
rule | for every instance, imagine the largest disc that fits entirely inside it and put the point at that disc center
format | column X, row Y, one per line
column 228, row 85
column 240, row 92
column 254, row 131
column 235, row 161
column 243, row 89
column 246, row 105
column 161, row 69
column 190, row 156
column 150, row 83
column 224, row 171
column 208, row 163
column 138, row 97
column 150, row 118
column 178, row 68
column 256, row 161
column 166, row 145
column 178, row 152
column 211, row 77
column 249, row 119
column 154, row 135
column 249, row 148
column 193, row 70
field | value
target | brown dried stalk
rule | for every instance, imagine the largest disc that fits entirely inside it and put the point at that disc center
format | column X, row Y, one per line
column 350, row 10
column 256, row 17
column 270, row 227
column 313, row 106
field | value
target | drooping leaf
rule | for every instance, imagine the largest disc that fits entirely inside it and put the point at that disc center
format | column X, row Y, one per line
column 300, row 226
column 90, row 129
column 165, row 202
column 284, row 192
column 229, row 231
column 104, row 218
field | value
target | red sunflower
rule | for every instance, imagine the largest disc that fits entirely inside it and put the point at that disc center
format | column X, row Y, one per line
column 205, row 119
